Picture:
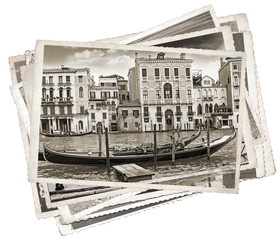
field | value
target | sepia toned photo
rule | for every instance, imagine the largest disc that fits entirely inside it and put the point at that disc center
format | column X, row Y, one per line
column 120, row 115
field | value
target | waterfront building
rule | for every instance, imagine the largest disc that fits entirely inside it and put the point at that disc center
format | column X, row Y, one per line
column 129, row 117
column 229, row 76
column 164, row 88
column 210, row 101
column 65, row 99
column 103, row 103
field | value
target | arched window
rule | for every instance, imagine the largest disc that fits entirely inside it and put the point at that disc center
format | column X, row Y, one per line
column 167, row 90
column 210, row 108
column 81, row 92
column 223, row 93
column 216, row 107
column 44, row 93
column 199, row 109
column 51, row 92
column 61, row 92
column 68, row 92
column 206, row 108
column 199, row 93
column 204, row 93
column 215, row 93
column 209, row 93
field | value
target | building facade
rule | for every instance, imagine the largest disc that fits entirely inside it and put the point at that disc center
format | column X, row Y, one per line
column 65, row 99
column 164, row 88
column 210, row 99
column 229, row 76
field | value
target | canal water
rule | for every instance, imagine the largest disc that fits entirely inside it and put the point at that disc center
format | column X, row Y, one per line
column 199, row 170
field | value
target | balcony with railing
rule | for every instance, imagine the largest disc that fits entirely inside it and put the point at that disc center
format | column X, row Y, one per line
column 168, row 101
column 179, row 113
column 64, row 84
column 207, row 98
column 191, row 113
column 45, row 84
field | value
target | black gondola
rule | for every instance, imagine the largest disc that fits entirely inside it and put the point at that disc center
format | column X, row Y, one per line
column 67, row 134
column 88, row 158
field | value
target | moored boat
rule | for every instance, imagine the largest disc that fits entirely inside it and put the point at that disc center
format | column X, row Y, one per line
column 89, row 158
column 67, row 134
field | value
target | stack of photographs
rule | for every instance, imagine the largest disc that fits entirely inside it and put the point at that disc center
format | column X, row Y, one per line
column 119, row 125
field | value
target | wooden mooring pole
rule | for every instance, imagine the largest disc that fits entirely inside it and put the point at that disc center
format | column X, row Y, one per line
column 107, row 151
column 173, row 148
column 208, row 140
column 99, row 141
column 155, row 146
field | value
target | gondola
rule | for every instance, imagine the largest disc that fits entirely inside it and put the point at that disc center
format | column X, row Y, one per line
column 67, row 134
column 181, row 143
column 88, row 158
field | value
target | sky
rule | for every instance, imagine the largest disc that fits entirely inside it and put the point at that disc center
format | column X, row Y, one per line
column 111, row 61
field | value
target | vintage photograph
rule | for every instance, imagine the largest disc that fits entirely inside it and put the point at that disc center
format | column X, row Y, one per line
column 147, row 116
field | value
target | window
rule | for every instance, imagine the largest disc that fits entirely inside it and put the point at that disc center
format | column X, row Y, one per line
column 68, row 79
column 125, row 124
column 114, row 117
column 190, row 109
column 136, row 124
column 69, row 110
column 68, row 92
column 146, row 111
column 45, row 110
column 199, row 93
column 199, row 109
column 235, row 67
column 82, row 109
column 60, row 79
column 81, row 92
column 158, row 94
column 80, row 79
column 44, row 93
column 166, row 73
column 44, row 80
column 104, row 115
column 157, row 77
column 206, row 108
column 50, row 79
column 122, row 87
column 61, row 92
column 167, row 90
column 123, row 97
column 51, row 92
column 61, row 110
column 124, row 113
column 145, row 94
column 215, row 93
column 102, row 84
column 178, row 119
column 146, row 120
column 177, row 93
column 115, row 94
column 144, row 73
column 114, row 84
column 135, row 113
column 190, row 119
column 81, row 125
column 176, row 73
column 189, row 93
column 188, row 73
column 159, row 119
column 53, row 111
column 178, row 109
column 235, row 82
column 92, row 95
column 210, row 108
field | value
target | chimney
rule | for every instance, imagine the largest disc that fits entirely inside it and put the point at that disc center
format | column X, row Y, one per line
column 182, row 56
column 221, row 62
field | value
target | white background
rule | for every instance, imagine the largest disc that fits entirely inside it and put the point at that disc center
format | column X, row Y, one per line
column 252, row 214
